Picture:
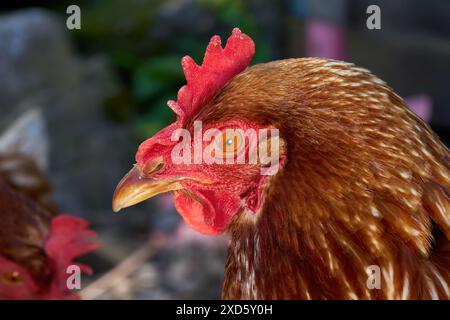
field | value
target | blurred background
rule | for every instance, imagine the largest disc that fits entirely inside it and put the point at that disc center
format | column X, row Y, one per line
column 103, row 89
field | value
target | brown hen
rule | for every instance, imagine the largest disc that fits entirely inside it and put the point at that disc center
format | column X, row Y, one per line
column 366, row 182
column 36, row 248
column 360, row 208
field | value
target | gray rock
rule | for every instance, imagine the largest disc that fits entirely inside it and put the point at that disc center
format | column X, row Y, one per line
column 39, row 67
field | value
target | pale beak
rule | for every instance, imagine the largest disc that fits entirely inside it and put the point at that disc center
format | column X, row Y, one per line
column 135, row 188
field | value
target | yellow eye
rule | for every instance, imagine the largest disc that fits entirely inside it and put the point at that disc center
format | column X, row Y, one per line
column 229, row 143
column 12, row 277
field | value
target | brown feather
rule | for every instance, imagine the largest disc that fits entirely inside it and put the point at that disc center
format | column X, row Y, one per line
column 366, row 182
column 22, row 174
column 26, row 210
column 25, row 227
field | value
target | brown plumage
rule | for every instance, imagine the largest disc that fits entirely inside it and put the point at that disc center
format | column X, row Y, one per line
column 366, row 182
column 363, row 184
column 23, row 158
column 36, row 247
column 25, row 227
column 21, row 173
column 26, row 204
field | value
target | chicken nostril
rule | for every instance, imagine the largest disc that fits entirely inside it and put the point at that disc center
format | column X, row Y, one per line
column 159, row 167
column 153, row 166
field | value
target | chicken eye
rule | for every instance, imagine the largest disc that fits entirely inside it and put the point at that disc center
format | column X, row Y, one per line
column 12, row 277
column 229, row 143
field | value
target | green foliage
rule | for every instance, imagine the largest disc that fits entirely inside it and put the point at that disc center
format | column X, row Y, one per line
column 154, row 83
column 153, row 119
column 111, row 25
column 150, row 68
column 155, row 76
column 235, row 13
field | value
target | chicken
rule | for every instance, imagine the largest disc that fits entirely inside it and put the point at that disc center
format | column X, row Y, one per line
column 362, row 184
column 23, row 158
column 36, row 248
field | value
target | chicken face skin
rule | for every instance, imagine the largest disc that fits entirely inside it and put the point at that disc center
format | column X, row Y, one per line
column 36, row 250
column 209, row 190
column 15, row 282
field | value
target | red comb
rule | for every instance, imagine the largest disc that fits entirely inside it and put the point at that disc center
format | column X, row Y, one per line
column 219, row 66
column 69, row 239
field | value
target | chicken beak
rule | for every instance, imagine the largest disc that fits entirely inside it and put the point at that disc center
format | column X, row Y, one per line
column 135, row 188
